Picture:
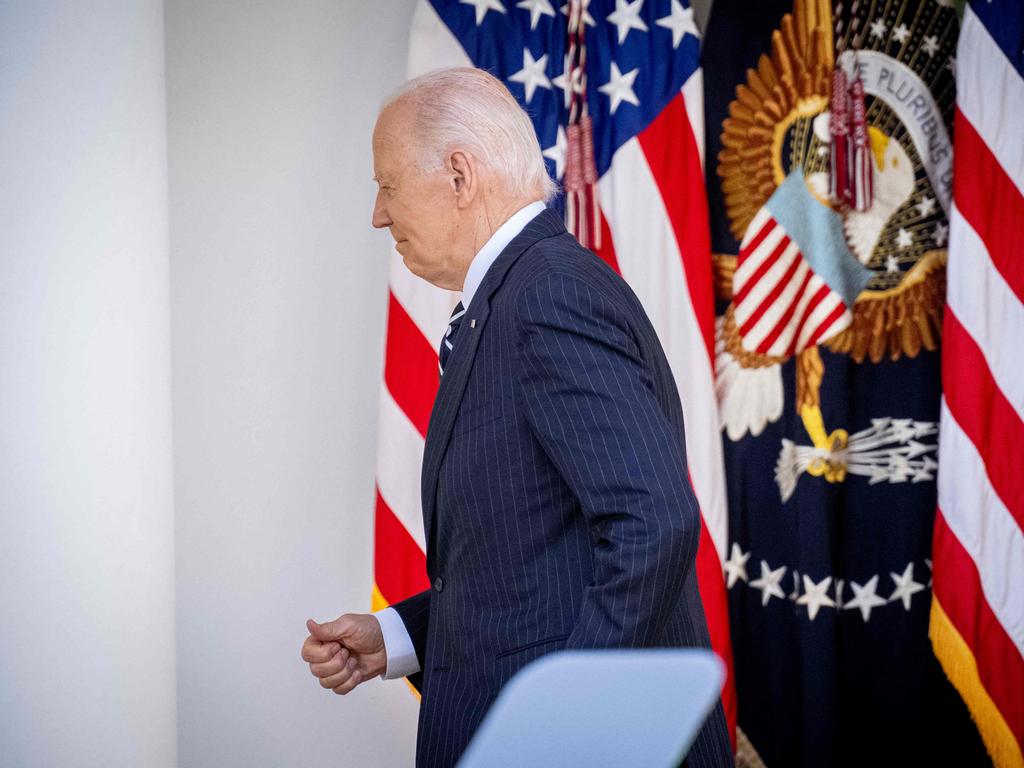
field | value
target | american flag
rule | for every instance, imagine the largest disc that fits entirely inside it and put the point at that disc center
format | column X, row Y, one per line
column 977, row 619
column 645, row 98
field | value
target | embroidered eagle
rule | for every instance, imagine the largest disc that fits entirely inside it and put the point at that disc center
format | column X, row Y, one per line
column 884, row 274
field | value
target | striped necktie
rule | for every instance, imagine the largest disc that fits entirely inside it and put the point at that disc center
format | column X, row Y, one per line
column 448, row 342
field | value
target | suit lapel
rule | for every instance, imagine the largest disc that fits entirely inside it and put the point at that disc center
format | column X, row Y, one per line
column 460, row 363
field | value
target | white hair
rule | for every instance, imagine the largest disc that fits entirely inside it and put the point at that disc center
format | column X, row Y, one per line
column 470, row 109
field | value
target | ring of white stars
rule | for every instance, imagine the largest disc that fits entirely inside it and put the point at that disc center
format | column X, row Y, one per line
column 537, row 8
column 626, row 16
column 680, row 22
column 483, row 6
column 619, row 87
column 532, row 75
column 815, row 595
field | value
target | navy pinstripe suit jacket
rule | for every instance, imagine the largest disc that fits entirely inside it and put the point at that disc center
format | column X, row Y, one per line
column 556, row 502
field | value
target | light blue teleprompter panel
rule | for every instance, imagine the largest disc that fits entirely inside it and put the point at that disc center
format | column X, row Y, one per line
column 615, row 708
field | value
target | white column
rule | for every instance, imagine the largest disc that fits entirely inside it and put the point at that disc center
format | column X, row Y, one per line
column 279, row 296
column 87, row 656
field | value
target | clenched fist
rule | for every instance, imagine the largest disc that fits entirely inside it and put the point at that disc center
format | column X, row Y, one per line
column 345, row 652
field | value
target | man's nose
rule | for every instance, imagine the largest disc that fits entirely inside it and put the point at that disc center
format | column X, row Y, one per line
column 380, row 215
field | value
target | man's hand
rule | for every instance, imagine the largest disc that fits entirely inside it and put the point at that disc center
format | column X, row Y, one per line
column 345, row 652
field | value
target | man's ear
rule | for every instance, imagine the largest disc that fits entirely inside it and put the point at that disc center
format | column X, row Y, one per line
column 465, row 180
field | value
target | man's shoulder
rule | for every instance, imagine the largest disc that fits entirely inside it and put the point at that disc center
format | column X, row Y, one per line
column 562, row 259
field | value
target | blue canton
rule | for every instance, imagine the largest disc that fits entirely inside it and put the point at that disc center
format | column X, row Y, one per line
column 504, row 43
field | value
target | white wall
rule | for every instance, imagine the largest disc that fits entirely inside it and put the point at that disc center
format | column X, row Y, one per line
column 87, row 660
column 279, row 290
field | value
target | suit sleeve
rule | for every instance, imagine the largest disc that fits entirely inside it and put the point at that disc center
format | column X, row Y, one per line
column 415, row 613
column 590, row 403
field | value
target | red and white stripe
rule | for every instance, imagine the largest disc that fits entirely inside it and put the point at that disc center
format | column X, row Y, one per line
column 781, row 305
column 655, row 232
column 977, row 625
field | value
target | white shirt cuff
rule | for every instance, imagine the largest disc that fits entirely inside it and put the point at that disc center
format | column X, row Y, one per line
column 402, row 660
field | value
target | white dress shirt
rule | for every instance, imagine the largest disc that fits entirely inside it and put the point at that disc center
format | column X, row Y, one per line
column 401, row 654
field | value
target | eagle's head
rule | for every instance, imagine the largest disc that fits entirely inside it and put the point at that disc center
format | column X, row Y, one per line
column 892, row 185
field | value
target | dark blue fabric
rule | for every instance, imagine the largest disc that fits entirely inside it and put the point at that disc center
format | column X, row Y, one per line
column 556, row 500
column 1004, row 20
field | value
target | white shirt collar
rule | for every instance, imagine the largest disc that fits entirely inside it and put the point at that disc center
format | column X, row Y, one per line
column 494, row 246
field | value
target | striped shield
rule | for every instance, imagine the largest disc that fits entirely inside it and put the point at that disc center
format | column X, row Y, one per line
column 796, row 280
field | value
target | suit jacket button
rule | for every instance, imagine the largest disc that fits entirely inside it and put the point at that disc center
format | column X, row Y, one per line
column 439, row 584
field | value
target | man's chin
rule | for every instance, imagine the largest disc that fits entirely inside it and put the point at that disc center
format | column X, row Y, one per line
column 413, row 266
column 402, row 247
column 424, row 274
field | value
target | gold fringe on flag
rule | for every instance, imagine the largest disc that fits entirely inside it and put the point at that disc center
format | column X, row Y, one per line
column 960, row 667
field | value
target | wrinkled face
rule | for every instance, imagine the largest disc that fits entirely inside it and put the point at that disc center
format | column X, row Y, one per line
column 417, row 206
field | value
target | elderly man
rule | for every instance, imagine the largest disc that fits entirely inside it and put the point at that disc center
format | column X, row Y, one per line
column 556, row 504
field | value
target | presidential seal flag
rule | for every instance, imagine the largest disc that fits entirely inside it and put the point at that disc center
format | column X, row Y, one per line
column 615, row 94
column 830, row 163
column 977, row 619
